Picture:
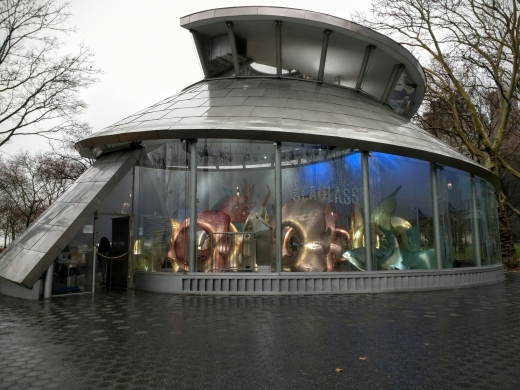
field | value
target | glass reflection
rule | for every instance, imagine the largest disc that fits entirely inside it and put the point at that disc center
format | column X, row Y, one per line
column 402, row 98
column 401, row 204
column 321, row 197
column 162, row 206
column 488, row 223
column 323, row 228
column 456, row 218
column 235, row 209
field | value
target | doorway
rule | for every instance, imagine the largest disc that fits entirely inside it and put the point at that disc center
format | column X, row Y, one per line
column 116, row 229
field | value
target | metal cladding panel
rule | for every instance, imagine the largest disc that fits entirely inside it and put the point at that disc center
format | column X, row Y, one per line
column 190, row 103
column 12, row 251
column 215, row 93
column 17, row 269
column 35, row 235
column 308, row 28
column 35, row 249
column 69, row 214
column 184, row 112
column 225, row 101
column 289, row 110
column 153, row 115
column 245, row 92
column 228, row 111
column 265, row 102
column 55, row 235
column 277, row 112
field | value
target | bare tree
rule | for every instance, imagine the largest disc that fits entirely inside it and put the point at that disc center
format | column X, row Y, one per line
column 38, row 83
column 470, row 52
column 31, row 183
column 11, row 224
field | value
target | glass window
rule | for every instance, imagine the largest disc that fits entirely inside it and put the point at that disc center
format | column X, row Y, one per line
column 403, row 96
column 162, row 207
column 488, row 223
column 456, row 218
column 73, row 266
column 235, row 206
column 321, row 214
column 401, row 213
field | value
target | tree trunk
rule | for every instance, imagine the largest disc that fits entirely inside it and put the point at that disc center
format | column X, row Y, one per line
column 507, row 245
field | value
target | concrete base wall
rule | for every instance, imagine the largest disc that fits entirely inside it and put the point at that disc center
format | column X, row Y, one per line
column 316, row 283
column 15, row 290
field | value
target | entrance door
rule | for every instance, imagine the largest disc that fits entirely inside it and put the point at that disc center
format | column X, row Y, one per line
column 117, row 275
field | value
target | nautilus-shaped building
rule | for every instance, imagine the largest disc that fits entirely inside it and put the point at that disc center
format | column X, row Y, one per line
column 292, row 167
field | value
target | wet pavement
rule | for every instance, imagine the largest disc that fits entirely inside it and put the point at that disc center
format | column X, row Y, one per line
column 466, row 338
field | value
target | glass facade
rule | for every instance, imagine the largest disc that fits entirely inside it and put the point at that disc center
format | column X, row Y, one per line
column 73, row 268
column 401, row 213
column 235, row 206
column 488, row 223
column 162, row 191
column 331, row 198
column 458, row 224
column 322, row 202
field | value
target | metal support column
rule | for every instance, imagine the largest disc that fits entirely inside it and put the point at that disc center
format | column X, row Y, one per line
column 193, row 206
column 233, row 44
column 47, row 287
column 392, row 82
column 476, row 228
column 199, row 45
column 132, row 235
column 436, row 220
column 278, row 204
column 94, row 252
column 324, row 47
column 278, row 47
column 364, row 66
column 366, row 211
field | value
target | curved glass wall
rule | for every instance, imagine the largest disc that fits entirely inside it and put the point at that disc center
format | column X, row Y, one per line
column 488, row 223
column 321, row 213
column 401, row 213
column 457, row 219
column 235, row 206
column 331, row 198
column 161, row 188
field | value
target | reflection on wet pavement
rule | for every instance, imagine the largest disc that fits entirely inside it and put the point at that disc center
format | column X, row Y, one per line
column 465, row 338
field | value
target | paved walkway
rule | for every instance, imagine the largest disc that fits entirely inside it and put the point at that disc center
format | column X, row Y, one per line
column 467, row 338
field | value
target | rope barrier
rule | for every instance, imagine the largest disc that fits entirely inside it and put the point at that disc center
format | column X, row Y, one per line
column 111, row 257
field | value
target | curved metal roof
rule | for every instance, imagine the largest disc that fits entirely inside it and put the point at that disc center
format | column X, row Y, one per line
column 245, row 41
column 279, row 110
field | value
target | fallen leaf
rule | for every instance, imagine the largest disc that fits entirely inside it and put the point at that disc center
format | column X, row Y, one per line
column 363, row 358
column 338, row 369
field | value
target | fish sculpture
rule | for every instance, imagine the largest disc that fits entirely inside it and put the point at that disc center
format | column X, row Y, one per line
column 413, row 256
column 211, row 222
column 384, row 219
column 382, row 214
column 356, row 257
column 387, row 257
column 339, row 238
column 176, row 263
column 237, row 205
column 304, row 219
column 424, row 259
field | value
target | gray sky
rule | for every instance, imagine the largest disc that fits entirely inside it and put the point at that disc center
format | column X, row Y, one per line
column 144, row 53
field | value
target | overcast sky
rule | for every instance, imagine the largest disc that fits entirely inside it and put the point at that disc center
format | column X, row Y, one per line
column 144, row 53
